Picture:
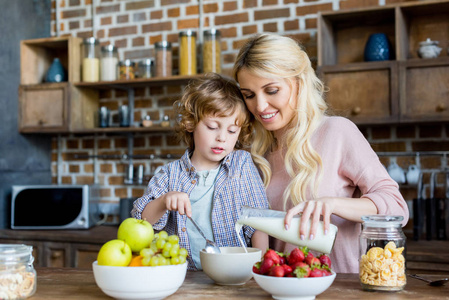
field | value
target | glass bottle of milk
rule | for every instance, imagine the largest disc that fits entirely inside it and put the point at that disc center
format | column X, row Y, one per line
column 108, row 63
column 272, row 223
column 91, row 60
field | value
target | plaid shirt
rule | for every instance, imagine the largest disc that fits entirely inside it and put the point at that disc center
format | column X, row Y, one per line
column 238, row 183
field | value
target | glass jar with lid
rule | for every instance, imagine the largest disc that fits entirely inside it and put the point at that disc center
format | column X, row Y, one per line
column 164, row 64
column 91, row 60
column 17, row 274
column 126, row 69
column 108, row 63
column 211, row 51
column 145, row 68
column 382, row 259
column 187, row 52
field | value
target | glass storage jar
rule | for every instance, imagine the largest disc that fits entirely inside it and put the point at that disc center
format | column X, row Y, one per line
column 211, row 51
column 108, row 63
column 187, row 52
column 91, row 60
column 382, row 260
column 145, row 68
column 164, row 64
column 17, row 274
column 126, row 69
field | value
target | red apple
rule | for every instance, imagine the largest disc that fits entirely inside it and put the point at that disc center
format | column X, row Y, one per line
column 138, row 234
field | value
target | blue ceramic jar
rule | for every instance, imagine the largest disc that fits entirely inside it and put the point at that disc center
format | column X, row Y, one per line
column 56, row 72
column 377, row 47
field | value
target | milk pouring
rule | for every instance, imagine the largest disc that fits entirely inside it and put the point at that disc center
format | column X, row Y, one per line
column 272, row 223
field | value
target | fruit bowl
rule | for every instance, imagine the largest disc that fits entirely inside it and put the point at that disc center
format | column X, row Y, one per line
column 139, row 282
column 230, row 267
column 294, row 288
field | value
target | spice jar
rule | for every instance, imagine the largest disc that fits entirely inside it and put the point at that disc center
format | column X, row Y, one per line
column 211, row 51
column 145, row 68
column 165, row 121
column 187, row 52
column 108, row 63
column 126, row 69
column 164, row 64
column 17, row 274
column 91, row 60
column 382, row 261
column 146, row 121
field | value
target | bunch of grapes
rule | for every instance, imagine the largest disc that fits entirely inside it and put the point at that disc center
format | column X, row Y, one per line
column 164, row 250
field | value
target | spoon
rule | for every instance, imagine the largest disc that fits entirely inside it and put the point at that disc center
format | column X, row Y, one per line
column 211, row 247
column 431, row 282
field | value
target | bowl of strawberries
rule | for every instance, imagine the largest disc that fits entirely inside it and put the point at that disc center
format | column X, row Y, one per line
column 297, row 275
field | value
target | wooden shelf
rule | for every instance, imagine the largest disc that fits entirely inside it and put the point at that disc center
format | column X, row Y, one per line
column 401, row 90
column 136, row 83
column 152, row 129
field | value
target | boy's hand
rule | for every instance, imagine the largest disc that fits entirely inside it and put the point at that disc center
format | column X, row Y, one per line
column 178, row 201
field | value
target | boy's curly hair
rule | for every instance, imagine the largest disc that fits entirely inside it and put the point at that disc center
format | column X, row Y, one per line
column 211, row 95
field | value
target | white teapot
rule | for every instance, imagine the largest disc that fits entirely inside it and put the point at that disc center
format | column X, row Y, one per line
column 413, row 174
column 429, row 49
column 396, row 173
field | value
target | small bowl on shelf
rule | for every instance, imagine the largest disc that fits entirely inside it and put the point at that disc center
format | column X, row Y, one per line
column 139, row 282
column 233, row 266
column 293, row 288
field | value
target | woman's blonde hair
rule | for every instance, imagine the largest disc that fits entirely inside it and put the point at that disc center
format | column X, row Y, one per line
column 211, row 95
column 275, row 56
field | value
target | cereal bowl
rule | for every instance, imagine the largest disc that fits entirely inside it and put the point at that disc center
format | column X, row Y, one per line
column 293, row 288
column 139, row 282
column 233, row 266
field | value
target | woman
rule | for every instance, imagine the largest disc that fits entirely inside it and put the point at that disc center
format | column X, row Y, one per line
column 313, row 164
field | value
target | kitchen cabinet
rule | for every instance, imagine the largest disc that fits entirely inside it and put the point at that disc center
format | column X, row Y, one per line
column 62, row 248
column 403, row 89
column 70, row 107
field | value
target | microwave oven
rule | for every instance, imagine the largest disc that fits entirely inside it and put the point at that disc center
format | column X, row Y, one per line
column 54, row 206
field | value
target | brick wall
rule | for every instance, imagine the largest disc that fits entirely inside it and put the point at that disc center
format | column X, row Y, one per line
column 134, row 27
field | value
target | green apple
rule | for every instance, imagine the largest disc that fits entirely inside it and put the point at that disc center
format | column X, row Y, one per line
column 114, row 253
column 138, row 234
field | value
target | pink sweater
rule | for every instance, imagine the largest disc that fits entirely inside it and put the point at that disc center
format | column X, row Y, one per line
column 349, row 163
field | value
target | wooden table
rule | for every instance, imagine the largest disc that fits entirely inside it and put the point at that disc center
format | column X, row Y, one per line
column 67, row 283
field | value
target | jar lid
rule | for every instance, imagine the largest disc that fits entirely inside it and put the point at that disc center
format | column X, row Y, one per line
column 126, row 62
column 382, row 220
column 428, row 42
column 146, row 62
column 212, row 32
column 109, row 48
column 163, row 44
column 90, row 41
column 12, row 254
column 187, row 33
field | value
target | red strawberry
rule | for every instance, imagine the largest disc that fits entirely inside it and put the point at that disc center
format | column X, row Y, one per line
column 315, row 262
column 325, row 260
column 277, row 271
column 295, row 256
column 287, row 269
column 309, row 258
column 266, row 265
column 326, row 272
column 316, row 272
column 273, row 256
column 256, row 268
column 301, row 269
column 282, row 259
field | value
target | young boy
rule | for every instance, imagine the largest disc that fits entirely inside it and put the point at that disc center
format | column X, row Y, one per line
column 212, row 180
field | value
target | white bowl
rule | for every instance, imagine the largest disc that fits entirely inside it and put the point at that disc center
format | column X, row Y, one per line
column 230, row 267
column 139, row 282
column 294, row 288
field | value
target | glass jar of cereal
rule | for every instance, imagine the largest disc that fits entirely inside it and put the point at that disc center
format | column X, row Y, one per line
column 382, row 261
column 187, row 52
column 17, row 274
column 211, row 51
